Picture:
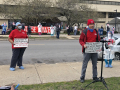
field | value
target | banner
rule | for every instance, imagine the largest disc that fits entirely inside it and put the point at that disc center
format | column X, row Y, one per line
column 21, row 42
column 93, row 47
column 34, row 29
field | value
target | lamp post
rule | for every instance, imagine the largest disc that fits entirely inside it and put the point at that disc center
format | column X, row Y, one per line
column 115, row 19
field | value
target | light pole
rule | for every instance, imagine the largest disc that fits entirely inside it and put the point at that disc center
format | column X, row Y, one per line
column 115, row 19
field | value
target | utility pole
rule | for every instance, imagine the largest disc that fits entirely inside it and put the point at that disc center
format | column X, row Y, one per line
column 115, row 19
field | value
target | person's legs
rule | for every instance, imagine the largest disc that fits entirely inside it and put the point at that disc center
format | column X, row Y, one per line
column 58, row 34
column 74, row 32
column 87, row 57
column 15, row 54
column 94, row 58
column 19, row 63
column 106, row 63
column 2, row 32
column 110, row 62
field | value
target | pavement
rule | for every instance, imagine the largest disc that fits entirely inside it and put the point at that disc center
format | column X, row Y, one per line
column 42, row 36
column 59, row 72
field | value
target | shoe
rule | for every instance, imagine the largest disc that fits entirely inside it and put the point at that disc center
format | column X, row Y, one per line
column 12, row 69
column 110, row 66
column 95, row 79
column 106, row 65
column 82, row 80
column 21, row 67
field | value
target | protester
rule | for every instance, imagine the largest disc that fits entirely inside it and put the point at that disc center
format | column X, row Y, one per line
column 13, row 26
column 4, row 28
column 108, row 28
column 75, row 30
column 29, row 30
column 58, row 29
column 89, row 35
column 17, row 53
column 109, row 53
column 52, row 30
column 113, row 30
column 39, row 29
column 68, row 30
column 23, row 26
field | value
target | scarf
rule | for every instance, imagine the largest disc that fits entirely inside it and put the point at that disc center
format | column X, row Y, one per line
column 91, row 30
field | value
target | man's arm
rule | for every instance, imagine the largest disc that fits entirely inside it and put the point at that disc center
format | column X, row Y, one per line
column 81, row 40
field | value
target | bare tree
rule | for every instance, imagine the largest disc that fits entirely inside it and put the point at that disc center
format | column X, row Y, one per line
column 76, row 11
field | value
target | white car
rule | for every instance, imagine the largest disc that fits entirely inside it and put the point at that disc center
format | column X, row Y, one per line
column 116, row 47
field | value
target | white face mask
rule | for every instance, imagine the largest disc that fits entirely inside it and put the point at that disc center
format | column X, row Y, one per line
column 19, row 27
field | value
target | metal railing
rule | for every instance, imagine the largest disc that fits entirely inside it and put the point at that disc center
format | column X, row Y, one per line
column 101, row 2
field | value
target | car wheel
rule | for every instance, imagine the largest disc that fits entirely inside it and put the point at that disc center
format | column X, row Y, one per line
column 117, row 56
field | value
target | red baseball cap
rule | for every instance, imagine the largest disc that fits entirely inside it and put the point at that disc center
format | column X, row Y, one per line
column 90, row 21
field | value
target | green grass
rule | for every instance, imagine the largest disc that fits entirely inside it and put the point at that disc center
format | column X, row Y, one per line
column 112, row 83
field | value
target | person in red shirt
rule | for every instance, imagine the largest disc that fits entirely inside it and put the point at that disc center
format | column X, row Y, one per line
column 89, row 35
column 17, row 52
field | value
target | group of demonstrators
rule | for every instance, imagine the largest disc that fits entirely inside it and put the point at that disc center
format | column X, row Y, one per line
column 90, row 34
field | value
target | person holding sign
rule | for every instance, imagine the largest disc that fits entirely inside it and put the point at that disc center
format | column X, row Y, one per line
column 89, row 35
column 109, row 53
column 17, row 51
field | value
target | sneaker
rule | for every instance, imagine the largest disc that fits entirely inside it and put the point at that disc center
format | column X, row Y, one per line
column 82, row 80
column 110, row 66
column 21, row 67
column 12, row 69
column 96, row 79
column 106, row 65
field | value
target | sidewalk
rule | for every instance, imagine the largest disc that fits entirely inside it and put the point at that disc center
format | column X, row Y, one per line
column 61, row 35
column 44, row 73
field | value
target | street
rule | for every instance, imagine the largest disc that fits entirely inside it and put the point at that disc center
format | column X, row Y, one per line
column 45, row 51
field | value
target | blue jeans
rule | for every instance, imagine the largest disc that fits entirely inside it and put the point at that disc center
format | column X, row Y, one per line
column 75, row 31
column 3, row 32
column 57, row 36
column 110, row 61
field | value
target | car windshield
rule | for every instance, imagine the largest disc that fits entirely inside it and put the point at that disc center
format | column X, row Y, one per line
column 115, row 38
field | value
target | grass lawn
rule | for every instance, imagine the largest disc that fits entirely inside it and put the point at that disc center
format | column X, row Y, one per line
column 112, row 83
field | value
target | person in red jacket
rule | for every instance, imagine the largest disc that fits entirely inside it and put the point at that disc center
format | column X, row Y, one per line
column 17, row 51
column 89, row 35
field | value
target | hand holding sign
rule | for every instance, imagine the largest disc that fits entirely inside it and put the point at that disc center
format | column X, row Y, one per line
column 85, row 46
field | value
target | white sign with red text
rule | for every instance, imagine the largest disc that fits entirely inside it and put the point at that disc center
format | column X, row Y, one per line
column 21, row 42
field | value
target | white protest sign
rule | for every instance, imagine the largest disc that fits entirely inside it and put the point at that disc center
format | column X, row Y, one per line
column 93, row 47
column 21, row 42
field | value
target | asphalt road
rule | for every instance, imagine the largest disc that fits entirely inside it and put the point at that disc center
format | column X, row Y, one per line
column 45, row 51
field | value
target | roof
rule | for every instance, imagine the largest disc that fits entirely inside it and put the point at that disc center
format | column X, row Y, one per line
column 113, row 21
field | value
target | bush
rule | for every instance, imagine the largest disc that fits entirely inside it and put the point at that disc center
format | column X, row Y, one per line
column 104, row 32
column 8, row 31
column 116, row 32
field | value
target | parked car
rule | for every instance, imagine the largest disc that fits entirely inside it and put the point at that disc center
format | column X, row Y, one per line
column 116, row 47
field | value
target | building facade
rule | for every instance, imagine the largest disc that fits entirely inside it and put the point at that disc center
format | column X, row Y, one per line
column 106, row 7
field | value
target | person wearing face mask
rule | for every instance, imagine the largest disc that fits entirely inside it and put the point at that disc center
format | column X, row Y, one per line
column 39, row 29
column 89, row 35
column 109, row 53
column 17, row 52
column 4, row 26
